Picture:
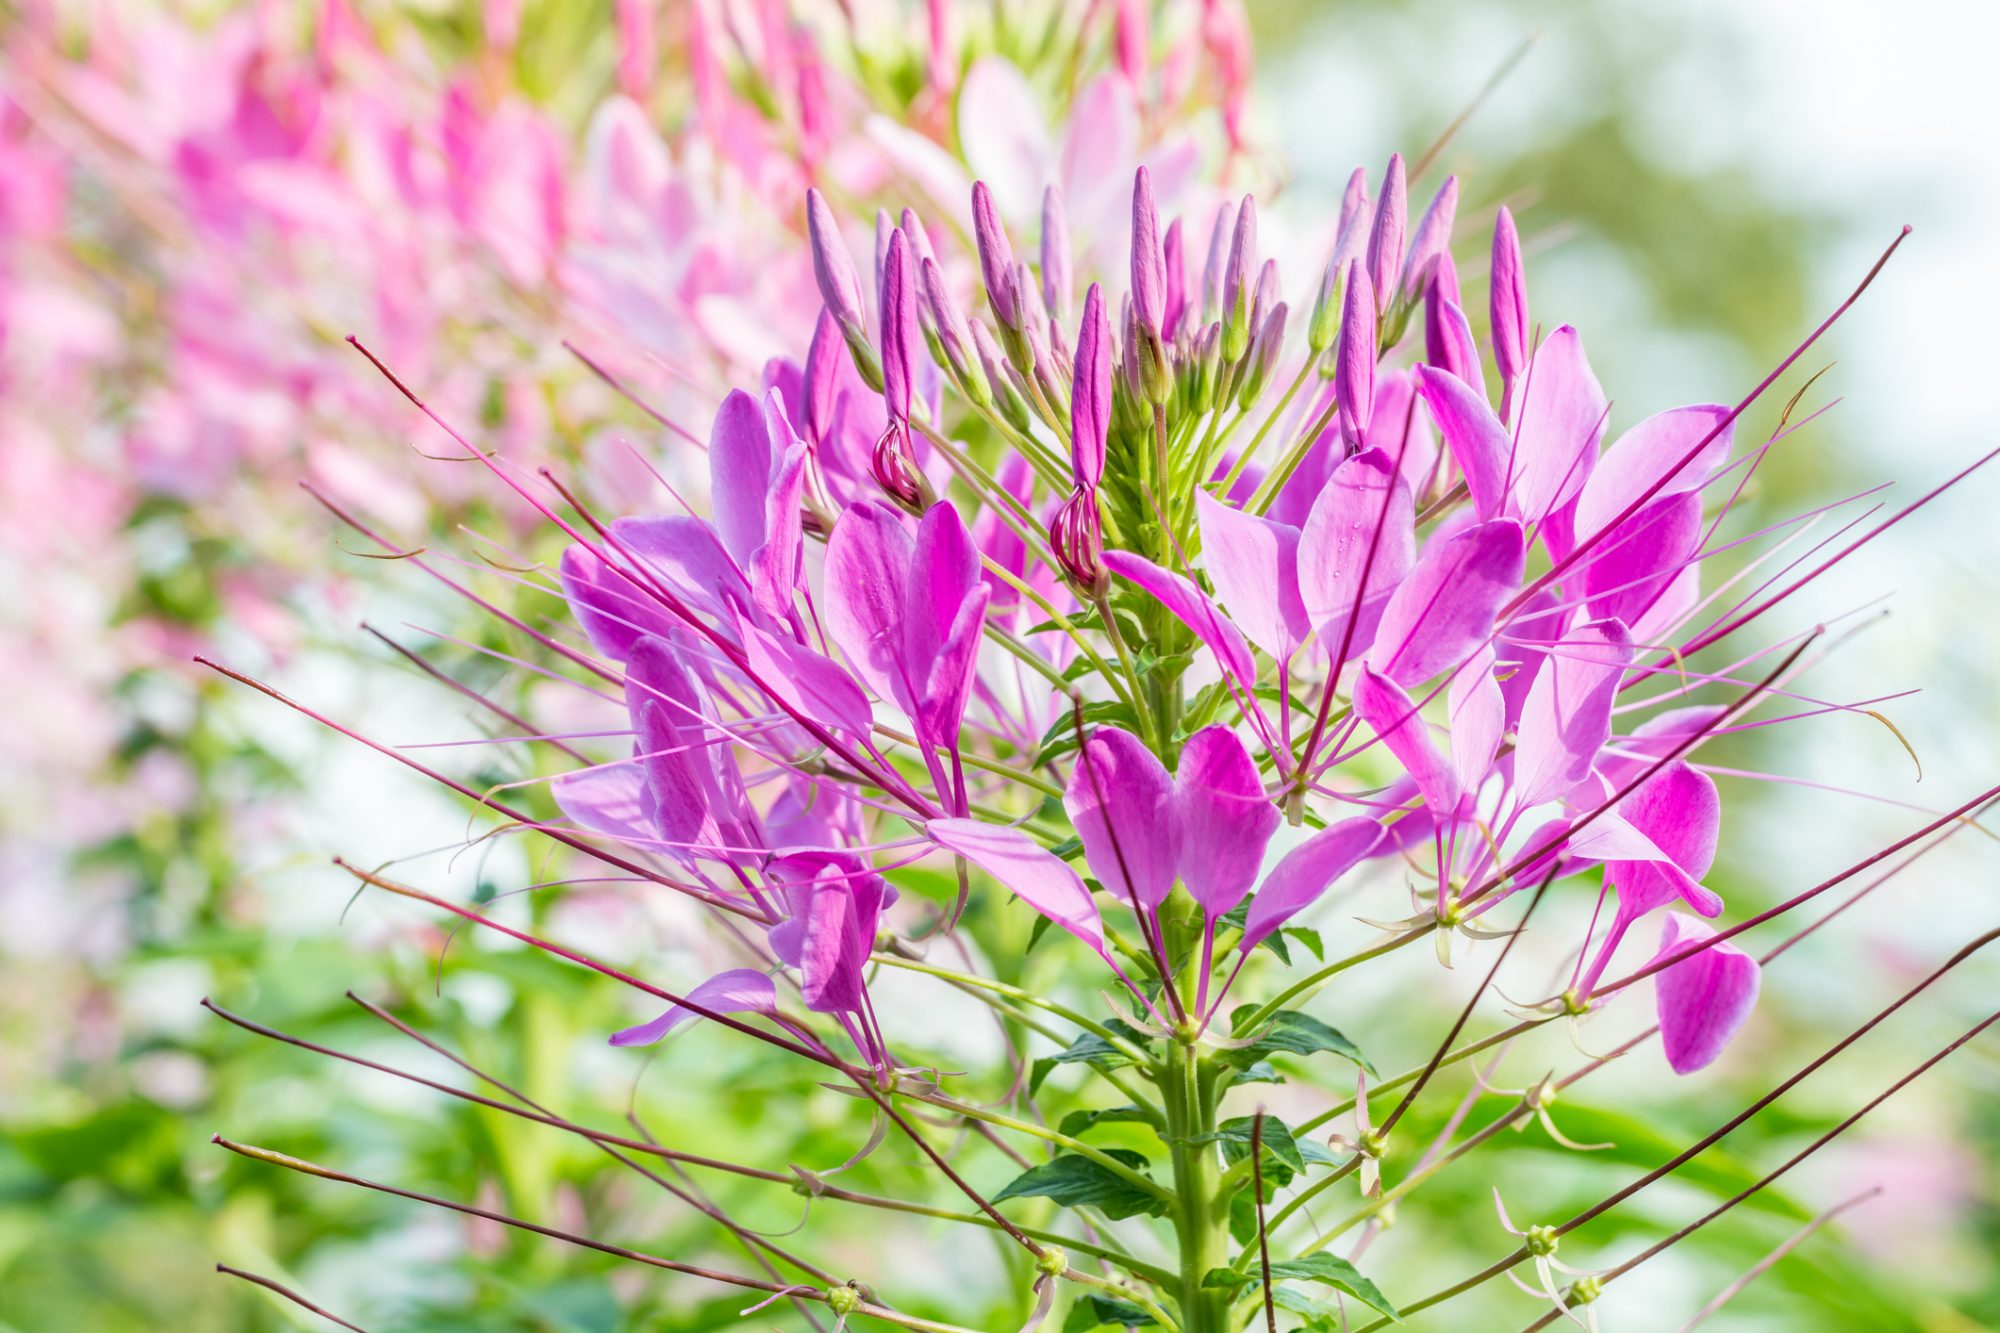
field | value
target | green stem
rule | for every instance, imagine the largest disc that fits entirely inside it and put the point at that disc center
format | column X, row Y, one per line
column 1201, row 1210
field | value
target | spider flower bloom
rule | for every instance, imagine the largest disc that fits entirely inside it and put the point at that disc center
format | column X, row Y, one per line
column 1144, row 645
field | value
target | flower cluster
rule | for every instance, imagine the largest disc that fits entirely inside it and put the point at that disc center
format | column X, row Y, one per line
column 1414, row 587
column 1085, row 575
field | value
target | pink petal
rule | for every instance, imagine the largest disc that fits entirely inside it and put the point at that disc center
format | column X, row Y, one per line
column 1307, row 871
column 1704, row 999
column 1567, row 717
column 867, row 568
column 1393, row 717
column 1479, row 444
column 606, row 800
column 1224, row 816
column 809, row 683
column 739, row 471
column 1404, row 436
column 693, row 787
column 1038, row 877
column 740, row 991
column 1003, row 135
column 1255, row 566
column 1443, row 612
column 1558, row 422
column 1478, row 715
column 1648, row 452
column 1628, row 571
column 1360, row 497
column 1197, row 612
column 1121, row 801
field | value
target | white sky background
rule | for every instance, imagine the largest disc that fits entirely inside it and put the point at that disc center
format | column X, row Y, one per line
column 1873, row 115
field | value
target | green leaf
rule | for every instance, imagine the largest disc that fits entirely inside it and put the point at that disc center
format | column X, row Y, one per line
column 1292, row 1033
column 1279, row 1145
column 1089, row 1049
column 1263, row 1071
column 1337, row 1273
column 1060, row 738
column 1095, row 1310
column 1076, row 1122
column 1074, row 1181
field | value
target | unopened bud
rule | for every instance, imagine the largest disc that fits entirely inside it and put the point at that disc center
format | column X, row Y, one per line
column 1263, row 355
column 996, row 257
column 1236, row 290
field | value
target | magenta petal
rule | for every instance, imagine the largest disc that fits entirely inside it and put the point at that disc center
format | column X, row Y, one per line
column 1360, row 497
column 1558, row 421
column 947, row 682
column 685, row 554
column 944, row 570
column 1703, row 999
column 1567, row 717
column 836, row 901
column 740, row 991
column 1401, row 430
column 1121, row 801
column 812, row 685
column 1039, row 878
column 1648, row 452
column 1443, row 612
column 1254, row 564
column 1478, row 716
column 1307, row 871
column 1197, row 612
column 610, row 801
column 1629, row 570
column 693, row 787
column 867, row 566
column 612, row 610
column 1393, row 717
column 1225, row 818
column 1479, row 444
column 739, row 475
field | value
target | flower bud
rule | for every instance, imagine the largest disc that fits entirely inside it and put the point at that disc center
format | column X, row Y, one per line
column 1448, row 341
column 822, row 376
column 954, row 339
column 1324, row 321
column 919, row 239
column 833, row 267
column 1263, row 355
column 1090, row 392
column 1007, row 395
column 996, row 258
column 1385, row 240
column 1236, row 292
column 1174, row 265
column 1218, row 257
column 1509, row 309
column 1056, row 279
column 1431, row 241
column 1354, row 207
column 898, row 300
column 1149, row 278
column 1354, row 362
